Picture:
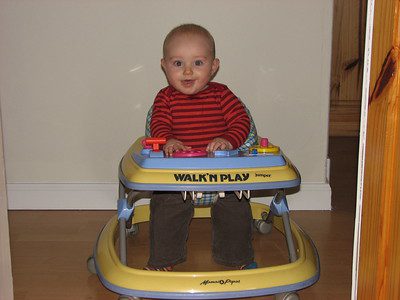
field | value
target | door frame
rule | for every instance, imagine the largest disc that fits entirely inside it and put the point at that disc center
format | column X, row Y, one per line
column 377, row 238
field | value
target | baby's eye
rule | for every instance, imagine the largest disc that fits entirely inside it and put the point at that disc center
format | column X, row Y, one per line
column 177, row 63
column 198, row 63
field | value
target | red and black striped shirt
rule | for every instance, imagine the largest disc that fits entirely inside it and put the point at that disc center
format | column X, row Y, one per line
column 197, row 119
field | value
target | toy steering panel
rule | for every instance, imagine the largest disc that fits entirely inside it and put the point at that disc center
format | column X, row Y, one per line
column 232, row 159
column 140, row 170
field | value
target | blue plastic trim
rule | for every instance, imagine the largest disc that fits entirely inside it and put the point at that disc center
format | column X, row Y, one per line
column 220, row 162
column 211, row 295
column 124, row 210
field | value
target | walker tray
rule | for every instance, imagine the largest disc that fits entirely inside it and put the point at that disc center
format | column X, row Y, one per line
column 256, row 169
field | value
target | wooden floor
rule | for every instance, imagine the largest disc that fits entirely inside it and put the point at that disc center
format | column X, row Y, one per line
column 49, row 248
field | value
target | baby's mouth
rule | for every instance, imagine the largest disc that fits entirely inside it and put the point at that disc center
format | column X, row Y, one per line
column 188, row 82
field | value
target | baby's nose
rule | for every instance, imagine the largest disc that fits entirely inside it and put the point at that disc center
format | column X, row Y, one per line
column 188, row 71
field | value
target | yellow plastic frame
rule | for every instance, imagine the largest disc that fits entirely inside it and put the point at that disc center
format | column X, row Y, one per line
column 205, row 285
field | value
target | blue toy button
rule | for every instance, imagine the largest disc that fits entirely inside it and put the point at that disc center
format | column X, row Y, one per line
column 159, row 154
column 221, row 153
column 145, row 151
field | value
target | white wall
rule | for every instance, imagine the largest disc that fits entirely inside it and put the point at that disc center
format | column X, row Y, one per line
column 77, row 78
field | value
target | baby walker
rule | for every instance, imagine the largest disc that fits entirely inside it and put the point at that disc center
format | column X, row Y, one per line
column 145, row 168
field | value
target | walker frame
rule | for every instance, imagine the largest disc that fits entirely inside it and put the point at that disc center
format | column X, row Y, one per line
column 301, row 271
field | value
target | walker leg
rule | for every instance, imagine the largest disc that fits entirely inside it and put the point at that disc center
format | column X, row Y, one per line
column 131, row 228
column 121, row 191
column 279, row 207
column 125, row 211
column 289, row 237
column 122, row 241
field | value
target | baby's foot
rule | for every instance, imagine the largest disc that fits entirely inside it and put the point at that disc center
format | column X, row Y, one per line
column 249, row 266
column 165, row 269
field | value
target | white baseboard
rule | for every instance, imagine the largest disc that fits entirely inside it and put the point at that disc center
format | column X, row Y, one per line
column 103, row 196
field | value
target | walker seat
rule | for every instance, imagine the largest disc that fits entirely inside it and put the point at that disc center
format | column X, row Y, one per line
column 260, row 167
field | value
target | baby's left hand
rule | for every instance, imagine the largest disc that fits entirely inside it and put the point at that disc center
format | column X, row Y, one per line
column 219, row 144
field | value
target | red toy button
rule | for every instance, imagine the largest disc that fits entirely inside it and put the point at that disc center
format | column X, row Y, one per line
column 264, row 142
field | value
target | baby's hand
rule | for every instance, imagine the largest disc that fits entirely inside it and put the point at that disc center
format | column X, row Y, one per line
column 173, row 145
column 219, row 144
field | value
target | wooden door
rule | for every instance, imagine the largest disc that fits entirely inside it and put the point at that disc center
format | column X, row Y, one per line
column 379, row 247
column 348, row 34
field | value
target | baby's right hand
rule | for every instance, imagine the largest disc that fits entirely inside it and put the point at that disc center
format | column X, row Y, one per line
column 173, row 145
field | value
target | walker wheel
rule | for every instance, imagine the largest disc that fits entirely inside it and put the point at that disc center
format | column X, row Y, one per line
column 133, row 230
column 128, row 298
column 262, row 226
column 91, row 265
column 287, row 296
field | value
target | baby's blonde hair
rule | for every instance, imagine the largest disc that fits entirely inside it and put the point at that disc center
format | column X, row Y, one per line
column 189, row 29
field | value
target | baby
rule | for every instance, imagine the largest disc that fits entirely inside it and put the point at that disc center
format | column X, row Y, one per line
column 193, row 112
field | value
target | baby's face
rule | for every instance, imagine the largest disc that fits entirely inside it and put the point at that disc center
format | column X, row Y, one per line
column 188, row 63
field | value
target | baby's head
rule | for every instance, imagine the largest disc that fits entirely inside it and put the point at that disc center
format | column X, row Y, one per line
column 189, row 58
column 189, row 30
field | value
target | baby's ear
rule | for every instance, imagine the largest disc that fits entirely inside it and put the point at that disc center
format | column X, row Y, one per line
column 215, row 65
column 163, row 63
